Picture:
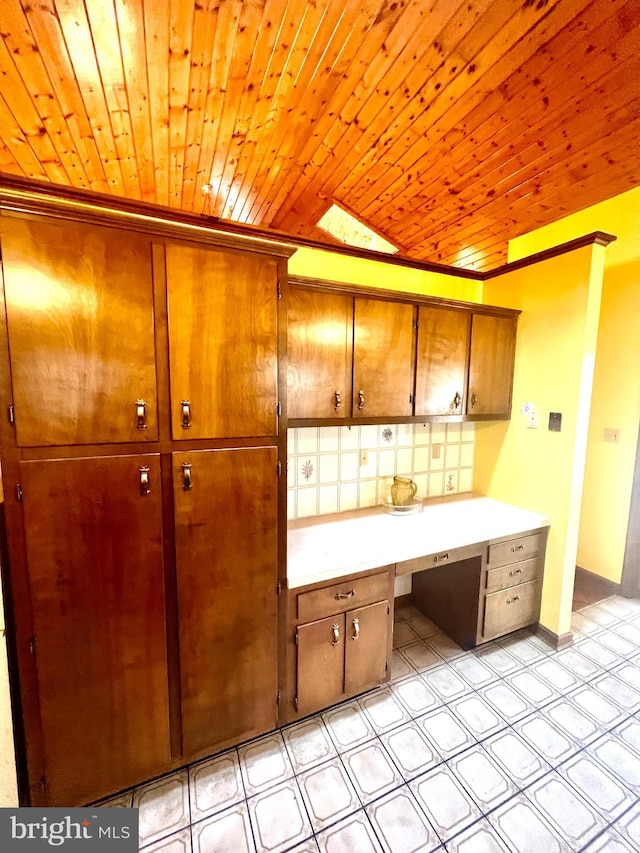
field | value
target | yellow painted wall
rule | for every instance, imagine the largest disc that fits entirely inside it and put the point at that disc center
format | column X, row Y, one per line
column 316, row 263
column 616, row 390
column 535, row 468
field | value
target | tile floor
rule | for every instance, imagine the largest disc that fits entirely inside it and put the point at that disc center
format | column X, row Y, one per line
column 510, row 747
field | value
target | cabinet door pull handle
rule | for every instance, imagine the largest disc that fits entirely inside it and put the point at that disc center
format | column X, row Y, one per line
column 361, row 399
column 335, row 630
column 515, row 572
column 186, row 476
column 145, row 486
column 341, row 595
column 456, row 401
column 441, row 558
column 356, row 629
column 515, row 548
column 512, row 600
column 185, row 409
column 474, row 400
column 141, row 414
column 338, row 402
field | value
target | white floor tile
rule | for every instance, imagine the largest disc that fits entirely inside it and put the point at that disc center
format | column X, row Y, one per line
column 420, row 656
column 532, row 688
column 445, row 683
column 215, row 785
column 497, row 659
column 619, row 691
column 521, row 762
column 477, row 715
column 410, row 750
column 578, row 664
column 524, row 828
column 571, row 720
column 545, row 738
column 445, row 646
column 371, row 771
column 328, row 794
column 566, row 810
column 403, row 634
column 179, row 842
column 383, row 710
column 279, row 818
column 448, row 806
column 482, row 777
column 584, row 626
column 415, row 696
column 163, row 807
column 264, row 763
column 423, row 626
column 348, row 726
column 620, row 607
column 506, row 701
column 623, row 762
column 400, row 825
column 400, row 667
column 599, row 654
column 308, row 743
column 555, row 675
column 594, row 705
column 610, row 842
column 616, row 643
column 226, row 832
column 473, row 670
column 598, row 615
column 629, row 827
column 629, row 732
column 523, row 649
column 481, row 837
column 445, row 732
column 354, row 834
column 598, row 787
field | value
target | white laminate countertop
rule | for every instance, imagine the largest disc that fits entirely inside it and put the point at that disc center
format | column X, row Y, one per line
column 330, row 546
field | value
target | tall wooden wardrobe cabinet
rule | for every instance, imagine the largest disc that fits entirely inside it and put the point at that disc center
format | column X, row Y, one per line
column 141, row 477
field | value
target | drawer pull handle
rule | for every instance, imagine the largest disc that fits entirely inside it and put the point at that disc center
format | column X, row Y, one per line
column 441, row 558
column 187, row 481
column 474, row 400
column 141, row 414
column 356, row 629
column 515, row 572
column 361, row 399
column 515, row 548
column 145, row 486
column 512, row 600
column 185, row 413
column 456, row 401
column 335, row 630
column 341, row 595
column 338, row 402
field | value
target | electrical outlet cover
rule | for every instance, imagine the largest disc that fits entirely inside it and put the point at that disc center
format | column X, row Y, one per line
column 555, row 421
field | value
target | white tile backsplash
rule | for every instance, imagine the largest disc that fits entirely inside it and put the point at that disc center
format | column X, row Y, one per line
column 324, row 473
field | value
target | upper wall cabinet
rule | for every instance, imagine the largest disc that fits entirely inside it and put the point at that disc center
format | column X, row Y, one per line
column 442, row 355
column 319, row 354
column 222, row 342
column 81, row 332
column 382, row 358
column 493, row 343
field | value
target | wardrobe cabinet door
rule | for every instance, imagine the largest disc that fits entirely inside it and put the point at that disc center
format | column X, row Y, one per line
column 222, row 343
column 81, row 332
column 226, row 550
column 96, row 577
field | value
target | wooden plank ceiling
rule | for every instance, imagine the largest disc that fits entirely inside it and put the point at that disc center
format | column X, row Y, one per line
column 448, row 126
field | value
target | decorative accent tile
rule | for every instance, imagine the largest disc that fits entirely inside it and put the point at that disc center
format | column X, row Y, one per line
column 506, row 701
column 383, row 710
column 179, row 842
column 163, row 807
column 479, row 838
column 278, row 818
column 352, row 834
column 328, row 794
column 215, row 785
column 482, row 777
column 308, row 472
column 445, row 802
column 308, row 743
column 545, row 738
column 599, row 788
column 420, row 655
column 371, row 771
column 524, row 829
column 264, row 763
column 400, row 825
column 566, row 810
column 445, row 733
column 621, row 761
column 571, row 720
column 520, row 761
column 348, row 726
column 415, row 696
column 227, row 832
column 410, row 750
column 481, row 720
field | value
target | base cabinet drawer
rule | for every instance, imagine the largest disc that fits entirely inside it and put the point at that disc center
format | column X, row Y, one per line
column 515, row 573
column 515, row 550
column 340, row 597
column 511, row 608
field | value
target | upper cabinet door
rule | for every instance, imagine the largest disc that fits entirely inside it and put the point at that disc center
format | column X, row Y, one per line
column 222, row 343
column 383, row 359
column 81, row 332
column 493, row 343
column 96, row 577
column 319, row 341
column 443, row 347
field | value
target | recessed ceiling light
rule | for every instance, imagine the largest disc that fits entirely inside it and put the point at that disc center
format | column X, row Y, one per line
column 350, row 231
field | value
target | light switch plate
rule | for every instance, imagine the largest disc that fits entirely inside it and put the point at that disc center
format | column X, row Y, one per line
column 612, row 435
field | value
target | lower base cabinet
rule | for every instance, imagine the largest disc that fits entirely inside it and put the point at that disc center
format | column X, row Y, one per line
column 338, row 649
